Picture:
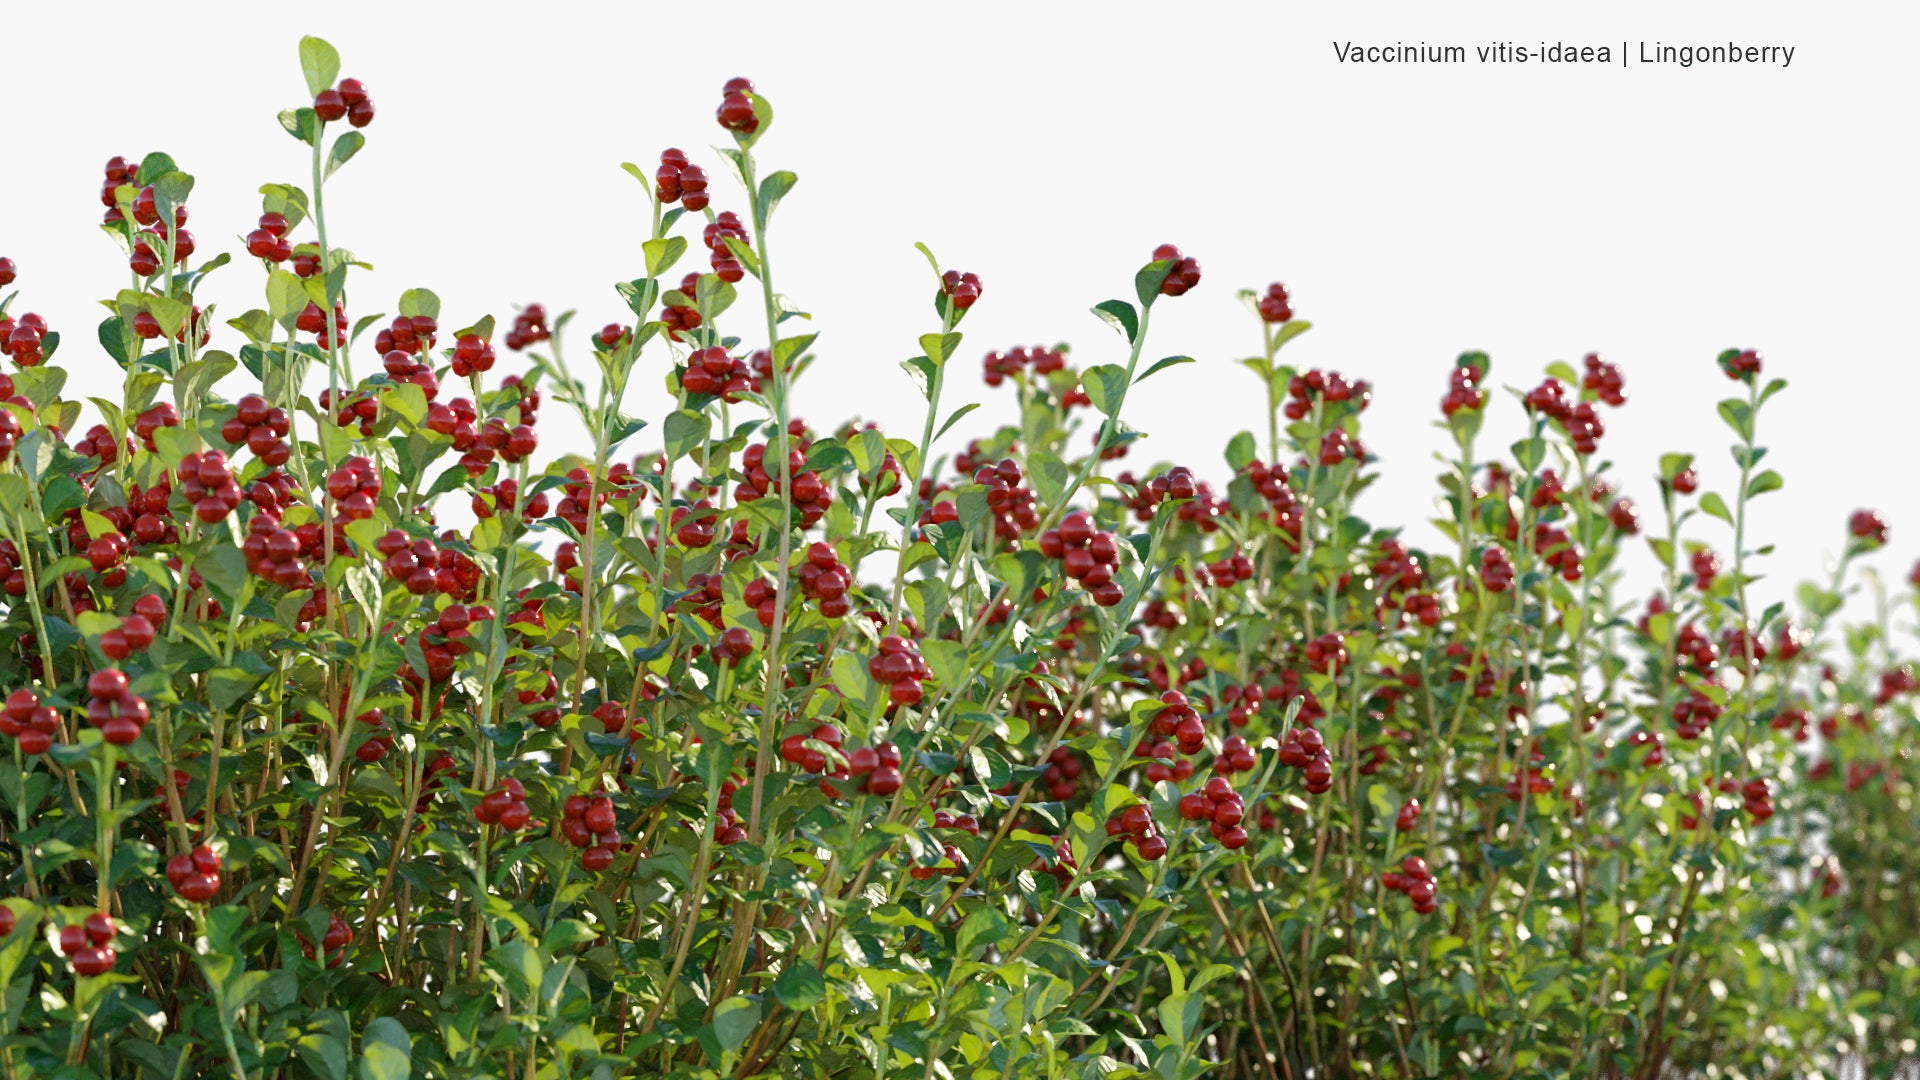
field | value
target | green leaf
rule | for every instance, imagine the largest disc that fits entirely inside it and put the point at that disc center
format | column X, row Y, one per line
column 799, row 988
column 786, row 349
column 686, row 430
column 1049, row 475
column 922, row 372
column 417, row 302
column 1765, row 482
column 984, row 927
column 1739, row 417
column 957, row 414
column 947, row 660
column 171, row 314
column 1240, row 451
column 1713, row 504
column 386, row 1051
column 1106, row 385
column 869, row 450
column 1147, row 282
column 40, row 385
column 320, row 63
column 939, row 347
column 113, row 338
column 1167, row 363
column 772, row 190
column 733, row 1020
column 286, row 297
column 661, row 254
column 1120, row 315
column 343, row 150
column 301, row 123
column 407, row 400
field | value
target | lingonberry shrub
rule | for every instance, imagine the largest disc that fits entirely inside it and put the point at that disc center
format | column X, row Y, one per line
column 772, row 753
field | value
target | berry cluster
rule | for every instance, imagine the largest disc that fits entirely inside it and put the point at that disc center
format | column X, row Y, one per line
column 471, row 355
column 589, row 823
column 1086, row 555
column 195, row 875
column 811, row 496
column 1580, row 421
column 1015, row 508
column 355, row 407
column 1326, row 654
column 1135, row 825
column 262, row 428
column 999, row 365
column 24, row 340
column 118, row 171
column 675, row 317
column 453, row 627
column 1314, row 386
column 1603, row 380
column 1496, row 569
column 349, row 99
column 714, row 372
column 505, row 806
column 269, row 241
column 1275, row 306
column 677, row 181
column 1178, row 721
column 727, row 829
column 146, row 213
column 1463, row 388
column 962, row 290
column 726, row 226
column 736, row 107
column 118, row 712
column 1217, row 803
column 823, row 578
column 1063, row 773
column 87, row 946
column 355, row 488
column 1741, row 365
column 1869, row 528
column 1305, row 749
column 1235, row 756
column 30, row 722
column 1184, row 274
column 333, row 943
column 529, row 328
column 503, row 498
column 899, row 666
column 1414, row 879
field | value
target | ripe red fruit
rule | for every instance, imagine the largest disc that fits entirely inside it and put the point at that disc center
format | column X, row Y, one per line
column 109, row 683
column 328, row 105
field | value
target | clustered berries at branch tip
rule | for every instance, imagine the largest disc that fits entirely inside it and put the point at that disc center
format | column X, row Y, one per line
column 195, row 875
column 726, row 265
column 736, row 107
column 1086, row 555
column 678, row 181
column 1183, row 275
column 1416, row 881
column 88, row 945
column 347, row 99
column 1275, row 306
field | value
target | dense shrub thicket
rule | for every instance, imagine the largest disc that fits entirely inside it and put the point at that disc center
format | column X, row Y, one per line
column 793, row 750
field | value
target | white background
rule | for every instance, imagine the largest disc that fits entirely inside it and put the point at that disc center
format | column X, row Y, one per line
column 1653, row 214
